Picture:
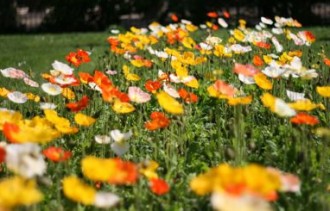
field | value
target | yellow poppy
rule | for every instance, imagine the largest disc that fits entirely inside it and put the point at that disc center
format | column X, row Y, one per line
column 122, row 107
column 84, row 120
column 169, row 103
column 262, row 81
column 324, row 91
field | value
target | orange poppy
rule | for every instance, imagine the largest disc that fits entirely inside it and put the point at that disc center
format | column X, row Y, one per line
column 215, row 27
column 224, row 88
column 212, row 14
column 159, row 186
column 78, row 57
column 85, row 77
column 113, row 41
column 158, row 120
column 78, row 106
column 101, row 79
column 263, row 45
column 2, row 154
column 226, row 14
column 304, row 118
column 9, row 129
column 245, row 69
column 188, row 97
column 257, row 61
column 326, row 61
column 56, row 154
column 152, row 86
column 174, row 17
column 126, row 173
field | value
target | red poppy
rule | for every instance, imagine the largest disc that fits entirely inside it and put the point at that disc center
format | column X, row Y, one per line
column 78, row 57
column 310, row 36
column 56, row 154
column 78, row 106
column 102, row 80
column 159, row 186
column 188, row 97
column 215, row 27
column 152, row 86
column 263, row 45
column 226, row 14
column 158, row 120
column 304, row 118
column 212, row 14
column 126, row 173
column 326, row 61
column 257, row 61
column 9, row 129
column 2, row 154
column 174, row 17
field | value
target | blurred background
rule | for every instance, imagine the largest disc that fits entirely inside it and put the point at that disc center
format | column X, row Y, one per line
column 17, row 16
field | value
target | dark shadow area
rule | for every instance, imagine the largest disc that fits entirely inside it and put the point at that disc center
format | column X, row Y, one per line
column 86, row 15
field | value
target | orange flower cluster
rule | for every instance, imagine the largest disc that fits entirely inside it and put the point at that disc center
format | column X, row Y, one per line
column 158, row 120
column 77, row 58
column 126, row 173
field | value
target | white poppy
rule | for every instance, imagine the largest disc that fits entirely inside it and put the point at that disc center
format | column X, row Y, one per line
column 247, row 202
column 106, row 200
column 237, row 48
column 278, row 46
column 94, row 86
column 17, row 97
column 51, row 89
column 169, row 89
column 115, row 31
column 266, row 21
column 205, row 46
column 258, row 27
column 63, row 68
column 102, row 139
column 120, row 148
column 283, row 109
column 65, row 80
column 277, row 31
column 25, row 160
column 273, row 70
column 246, row 79
column 46, row 106
column 118, row 136
column 211, row 40
column 294, row 96
column 222, row 22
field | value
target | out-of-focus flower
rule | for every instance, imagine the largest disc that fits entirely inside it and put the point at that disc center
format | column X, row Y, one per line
column 137, row 95
column 148, row 169
column 62, row 68
column 17, row 97
column 51, row 89
column 304, row 118
column 262, row 81
column 324, row 91
column 120, row 145
column 168, row 103
column 16, row 191
column 78, row 191
column 159, row 186
column 152, row 86
column 306, row 105
column 188, row 97
column 30, row 82
column 45, row 106
column 158, row 120
column 84, row 120
column 56, row 154
column 78, row 106
column 102, row 139
column 277, row 105
column 106, row 200
column 212, row 14
column 257, row 61
column 13, row 73
column 25, row 160
column 122, row 107
column 294, row 96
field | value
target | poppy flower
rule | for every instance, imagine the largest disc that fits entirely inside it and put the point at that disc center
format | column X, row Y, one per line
column 324, row 91
column 56, row 154
column 158, row 120
column 226, row 14
column 257, row 61
column 212, row 14
column 2, row 154
column 168, row 103
column 261, row 44
column 126, row 173
column 62, row 68
column 159, row 186
column 11, row 72
column 152, row 86
column 188, row 97
column 17, row 97
column 326, row 61
column 51, row 89
column 84, row 120
column 78, row 57
column 174, row 17
column 122, row 107
column 78, row 106
column 246, row 70
column 304, row 118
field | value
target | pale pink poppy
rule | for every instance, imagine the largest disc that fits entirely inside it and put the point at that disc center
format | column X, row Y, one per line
column 245, row 69
column 13, row 73
column 30, row 82
column 137, row 95
column 17, row 97
column 111, row 72
column 169, row 89
column 225, row 88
